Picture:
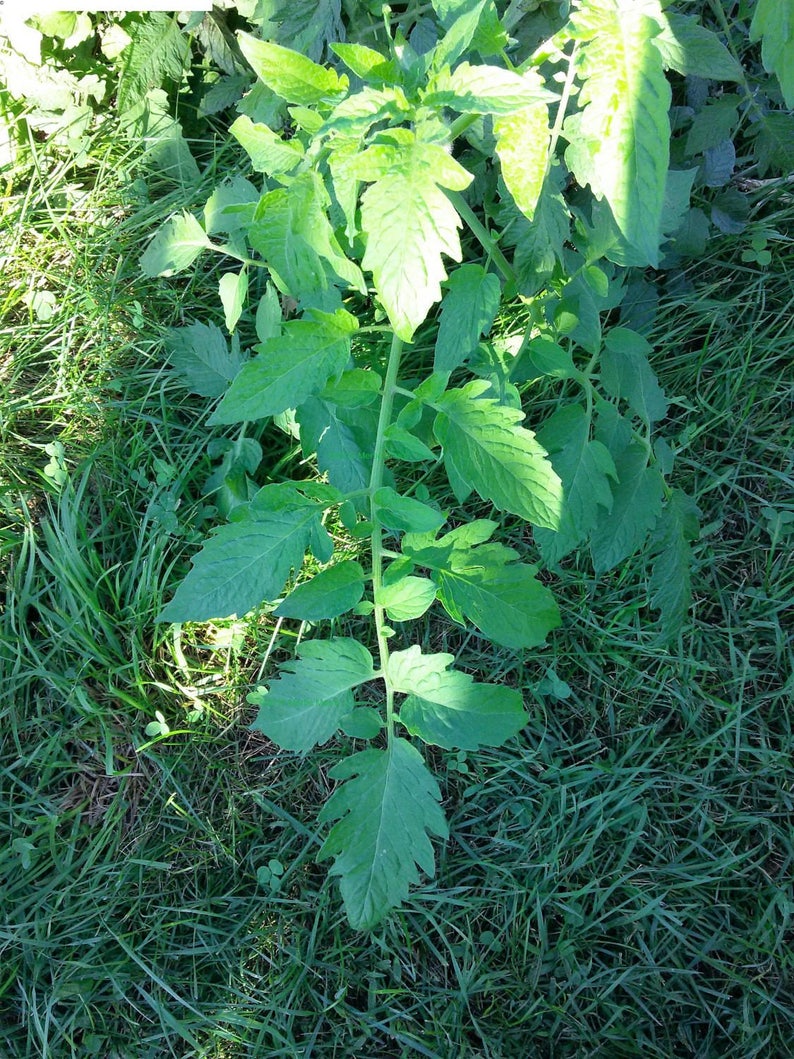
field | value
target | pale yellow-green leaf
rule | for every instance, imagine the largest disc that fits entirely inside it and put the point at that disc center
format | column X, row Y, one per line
column 522, row 145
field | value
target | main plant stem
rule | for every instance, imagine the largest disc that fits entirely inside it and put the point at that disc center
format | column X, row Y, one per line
column 375, row 482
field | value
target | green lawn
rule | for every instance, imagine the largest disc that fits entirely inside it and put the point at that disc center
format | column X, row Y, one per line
column 618, row 880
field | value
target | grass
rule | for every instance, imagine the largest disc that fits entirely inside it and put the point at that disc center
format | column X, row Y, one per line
column 618, row 879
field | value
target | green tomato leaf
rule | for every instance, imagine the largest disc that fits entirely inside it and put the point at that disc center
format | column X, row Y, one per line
column 522, row 146
column 620, row 141
column 470, row 24
column 342, row 438
column 626, row 373
column 486, row 586
column 486, row 90
column 223, row 212
column 409, row 222
column 543, row 357
column 584, row 467
column 446, row 708
column 289, row 368
column 671, row 579
column 404, row 513
column 403, row 445
column 249, row 560
column 268, row 315
column 367, row 63
column 175, row 247
column 539, row 245
column 353, row 389
column 326, row 595
column 269, row 153
column 233, row 290
column 636, row 504
column 200, row 355
column 485, row 448
column 467, row 312
column 692, row 50
column 364, row 723
column 294, row 264
column 407, row 598
column 385, row 809
column 356, row 114
column 290, row 75
column 308, row 702
column 773, row 25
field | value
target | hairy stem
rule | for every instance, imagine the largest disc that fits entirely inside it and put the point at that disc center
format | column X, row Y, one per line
column 375, row 482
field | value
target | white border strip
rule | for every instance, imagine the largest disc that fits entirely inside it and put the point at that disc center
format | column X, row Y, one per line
column 25, row 8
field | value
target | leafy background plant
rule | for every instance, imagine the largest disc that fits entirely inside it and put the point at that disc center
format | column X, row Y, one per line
column 607, row 719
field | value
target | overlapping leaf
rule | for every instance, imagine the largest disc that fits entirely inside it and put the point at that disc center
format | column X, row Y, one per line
column 289, row 368
column 485, row 585
column 584, row 467
column 636, row 504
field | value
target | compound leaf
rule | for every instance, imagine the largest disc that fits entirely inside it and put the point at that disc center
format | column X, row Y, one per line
column 248, row 560
column 467, row 311
column 485, row 448
column 385, row 810
column 409, row 222
column 289, row 368
column 445, row 707
column 327, row 595
column 307, row 703
column 636, row 504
